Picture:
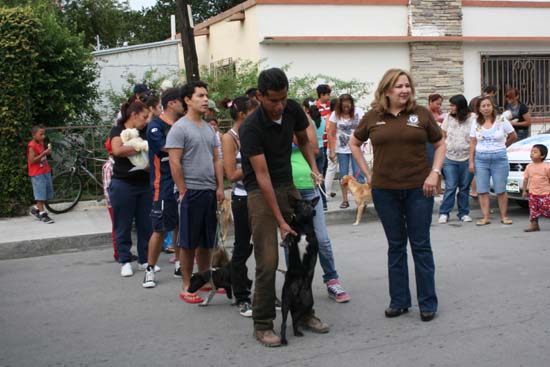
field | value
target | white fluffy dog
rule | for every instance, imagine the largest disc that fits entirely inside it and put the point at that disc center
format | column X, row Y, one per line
column 130, row 138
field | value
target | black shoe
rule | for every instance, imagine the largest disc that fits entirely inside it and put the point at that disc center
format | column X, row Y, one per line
column 427, row 316
column 177, row 273
column 278, row 304
column 394, row 312
column 44, row 217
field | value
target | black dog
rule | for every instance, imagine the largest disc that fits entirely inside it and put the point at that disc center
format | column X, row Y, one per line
column 297, row 294
column 216, row 277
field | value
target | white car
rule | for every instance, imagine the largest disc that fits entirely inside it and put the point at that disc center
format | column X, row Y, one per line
column 519, row 158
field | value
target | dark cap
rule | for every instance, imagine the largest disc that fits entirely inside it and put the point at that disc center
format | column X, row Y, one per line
column 323, row 89
column 140, row 88
column 168, row 95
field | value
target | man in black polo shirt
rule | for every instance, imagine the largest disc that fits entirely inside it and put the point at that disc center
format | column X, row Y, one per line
column 266, row 143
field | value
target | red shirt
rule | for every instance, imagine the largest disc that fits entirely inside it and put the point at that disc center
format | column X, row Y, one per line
column 324, row 110
column 40, row 167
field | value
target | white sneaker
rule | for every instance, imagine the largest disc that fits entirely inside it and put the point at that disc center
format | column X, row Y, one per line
column 466, row 218
column 149, row 279
column 144, row 266
column 126, row 270
column 443, row 218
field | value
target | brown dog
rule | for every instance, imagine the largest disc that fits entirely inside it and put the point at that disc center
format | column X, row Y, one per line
column 226, row 216
column 361, row 194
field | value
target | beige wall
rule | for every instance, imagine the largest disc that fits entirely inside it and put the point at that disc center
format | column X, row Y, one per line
column 238, row 40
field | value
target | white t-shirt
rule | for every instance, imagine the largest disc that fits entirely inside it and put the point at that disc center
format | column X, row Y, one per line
column 458, row 137
column 493, row 139
column 345, row 129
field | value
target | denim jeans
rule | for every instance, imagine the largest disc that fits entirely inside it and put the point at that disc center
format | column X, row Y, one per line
column 343, row 163
column 522, row 134
column 131, row 202
column 491, row 165
column 242, row 249
column 326, row 257
column 408, row 214
column 457, row 176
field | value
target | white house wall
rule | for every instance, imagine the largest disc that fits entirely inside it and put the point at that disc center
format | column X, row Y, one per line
column 364, row 62
column 331, row 20
column 505, row 22
column 115, row 65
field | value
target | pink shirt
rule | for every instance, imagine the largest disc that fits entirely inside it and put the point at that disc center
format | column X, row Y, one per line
column 538, row 175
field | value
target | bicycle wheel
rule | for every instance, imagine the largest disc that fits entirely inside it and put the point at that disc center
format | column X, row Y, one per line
column 67, row 188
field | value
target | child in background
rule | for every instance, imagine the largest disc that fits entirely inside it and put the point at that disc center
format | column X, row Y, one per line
column 107, row 173
column 40, row 172
column 537, row 177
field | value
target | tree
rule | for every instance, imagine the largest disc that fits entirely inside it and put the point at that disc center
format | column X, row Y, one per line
column 47, row 77
column 111, row 20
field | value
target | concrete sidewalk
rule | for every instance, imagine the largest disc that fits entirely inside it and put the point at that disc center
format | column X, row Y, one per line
column 88, row 226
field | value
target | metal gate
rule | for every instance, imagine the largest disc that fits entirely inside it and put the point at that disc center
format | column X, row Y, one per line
column 530, row 74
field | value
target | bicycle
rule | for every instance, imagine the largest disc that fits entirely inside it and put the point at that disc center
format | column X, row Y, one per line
column 68, row 185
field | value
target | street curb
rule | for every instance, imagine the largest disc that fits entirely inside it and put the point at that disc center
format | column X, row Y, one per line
column 51, row 246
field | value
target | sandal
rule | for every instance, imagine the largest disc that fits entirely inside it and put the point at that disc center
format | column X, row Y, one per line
column 169, row 250
column 506, row 220
column 192, row 298
column 483, row 222
column 344, row 205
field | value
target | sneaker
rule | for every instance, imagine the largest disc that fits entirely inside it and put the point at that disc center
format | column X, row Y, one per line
column 336, row 291
column 126, row 270
column 315, row 325
column 35, row 213
column 145, row 265
column 177, row 272
column 44, row 217
column 466, row 218
column 149, row 278
column 268, row 338
column 245, row 309
column 443, row 218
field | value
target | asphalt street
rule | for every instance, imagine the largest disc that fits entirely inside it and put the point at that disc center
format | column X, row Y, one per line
column 493, row 285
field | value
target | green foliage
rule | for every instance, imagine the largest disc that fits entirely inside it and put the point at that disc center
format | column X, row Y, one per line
column 18, row 35
column 47, row 77
column 305, row 86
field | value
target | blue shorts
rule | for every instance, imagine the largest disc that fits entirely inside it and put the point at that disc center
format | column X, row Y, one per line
column 164, row 215
column 491, row 165
column 42, row 187
column 198, row 219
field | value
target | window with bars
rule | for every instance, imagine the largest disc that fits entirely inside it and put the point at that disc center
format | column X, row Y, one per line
column 529, row 73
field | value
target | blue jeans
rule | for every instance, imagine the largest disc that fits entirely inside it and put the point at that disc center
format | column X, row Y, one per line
column 129, row 202
column 491, row 165
column 457, row 176
column 321, row 161
column 407, row 214
column 343, row 163
column 326, row 257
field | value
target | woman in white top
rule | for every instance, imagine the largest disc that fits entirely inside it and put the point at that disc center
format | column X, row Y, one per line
column 239, row 109
column 489, row 137
column 343, row 122
column 456, row 132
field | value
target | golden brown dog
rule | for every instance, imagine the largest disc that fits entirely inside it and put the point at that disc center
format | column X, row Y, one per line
column 361, row 194
column 220, row 257
column 226, row 216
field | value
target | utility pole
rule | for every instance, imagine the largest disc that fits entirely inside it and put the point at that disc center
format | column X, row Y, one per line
column 188, row 40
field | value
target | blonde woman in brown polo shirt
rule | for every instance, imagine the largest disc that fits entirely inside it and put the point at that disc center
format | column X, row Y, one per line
column 403, row 185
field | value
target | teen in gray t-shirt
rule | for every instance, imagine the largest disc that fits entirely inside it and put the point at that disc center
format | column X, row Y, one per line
column 198, row 144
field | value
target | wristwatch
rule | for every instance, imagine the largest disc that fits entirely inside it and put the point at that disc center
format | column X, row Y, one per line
column 436, row 171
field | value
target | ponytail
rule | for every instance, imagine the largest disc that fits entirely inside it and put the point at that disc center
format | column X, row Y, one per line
column 128, row 108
